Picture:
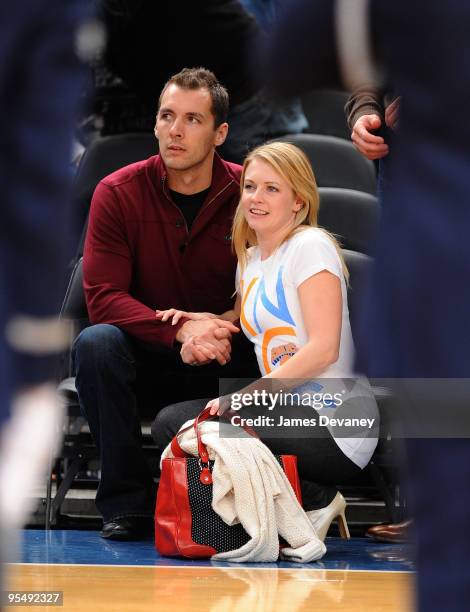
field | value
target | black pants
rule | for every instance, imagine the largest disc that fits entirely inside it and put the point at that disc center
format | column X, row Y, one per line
column 321, row 463
column 118, row 383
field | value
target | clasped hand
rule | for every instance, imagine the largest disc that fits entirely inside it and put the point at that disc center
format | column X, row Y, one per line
column 204, row 338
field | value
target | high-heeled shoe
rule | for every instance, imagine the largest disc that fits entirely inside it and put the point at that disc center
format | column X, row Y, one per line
column 322, row 518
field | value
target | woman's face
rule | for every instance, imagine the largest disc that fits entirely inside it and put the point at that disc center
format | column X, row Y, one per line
column 268, row 201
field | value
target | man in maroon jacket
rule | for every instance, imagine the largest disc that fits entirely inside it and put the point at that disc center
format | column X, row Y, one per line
column 159, row 236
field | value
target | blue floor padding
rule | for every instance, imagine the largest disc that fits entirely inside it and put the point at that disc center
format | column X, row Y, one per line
column 87, row 548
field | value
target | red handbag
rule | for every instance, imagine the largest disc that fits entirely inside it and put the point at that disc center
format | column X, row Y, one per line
column 185, row 523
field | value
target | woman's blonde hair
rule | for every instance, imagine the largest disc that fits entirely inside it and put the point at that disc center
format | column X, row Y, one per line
column 293, row 165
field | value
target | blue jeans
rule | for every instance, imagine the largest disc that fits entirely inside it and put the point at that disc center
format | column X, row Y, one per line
column 119, row 381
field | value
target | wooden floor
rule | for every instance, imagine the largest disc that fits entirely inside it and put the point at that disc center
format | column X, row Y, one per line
column 214, row 589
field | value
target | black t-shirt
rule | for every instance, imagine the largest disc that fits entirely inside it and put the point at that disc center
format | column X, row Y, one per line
column 190, row 205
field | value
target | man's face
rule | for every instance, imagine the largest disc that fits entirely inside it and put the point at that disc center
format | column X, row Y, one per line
column 185, row 128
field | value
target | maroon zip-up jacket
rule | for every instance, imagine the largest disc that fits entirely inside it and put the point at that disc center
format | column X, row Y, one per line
column 139, row 255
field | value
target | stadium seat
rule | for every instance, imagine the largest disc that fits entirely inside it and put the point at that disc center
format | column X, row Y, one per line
column 324, row 109
column 351, row 215
column 360, row 268
column 335, row 162
column 77, row 448
column 383, row 469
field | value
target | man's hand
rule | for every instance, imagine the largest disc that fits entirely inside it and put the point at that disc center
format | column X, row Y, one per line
column 206, row 340
column 391, row 114
column 195, row 355
column 365, row 141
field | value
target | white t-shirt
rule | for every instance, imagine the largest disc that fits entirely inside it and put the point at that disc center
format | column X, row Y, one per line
column 271, row 316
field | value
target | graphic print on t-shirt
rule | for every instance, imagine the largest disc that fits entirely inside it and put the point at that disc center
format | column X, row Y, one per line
column 282, row 353
column 273, row 353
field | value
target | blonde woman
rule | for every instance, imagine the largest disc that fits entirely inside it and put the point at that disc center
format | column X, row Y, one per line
column 292, row 304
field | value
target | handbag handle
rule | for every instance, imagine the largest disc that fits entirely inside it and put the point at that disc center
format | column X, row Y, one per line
column 203, row 416
column 176, row 449
column 206, row 416
column 205, row 475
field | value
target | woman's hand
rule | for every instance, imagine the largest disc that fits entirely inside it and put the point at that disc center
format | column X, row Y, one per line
column 214, row 406
column 219, row 406
column 164, row 315
column 195, row 354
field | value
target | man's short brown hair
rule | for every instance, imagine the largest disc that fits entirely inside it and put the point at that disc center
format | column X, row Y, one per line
column 198, row 78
